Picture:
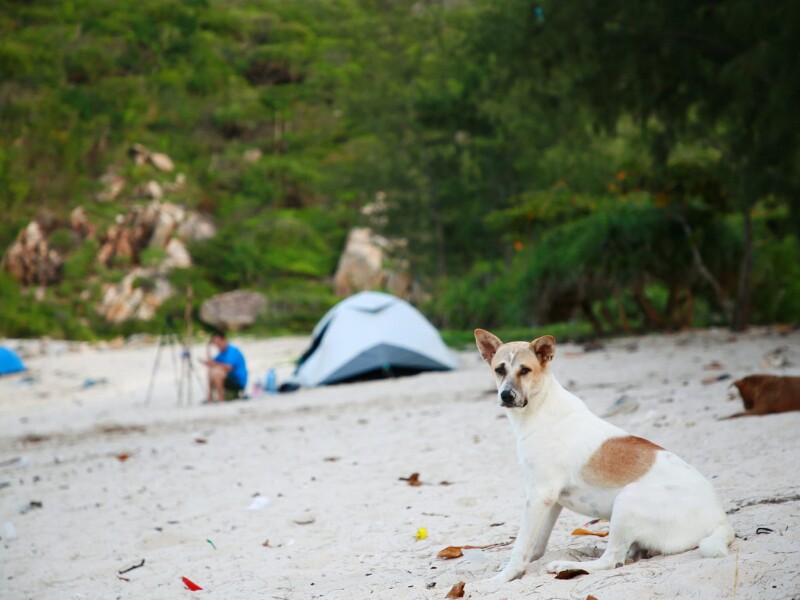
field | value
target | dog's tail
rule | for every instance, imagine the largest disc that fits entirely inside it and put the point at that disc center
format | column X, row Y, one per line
column 716, row 544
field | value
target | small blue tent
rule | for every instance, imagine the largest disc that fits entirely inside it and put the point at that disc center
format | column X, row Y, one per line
column 10, row 362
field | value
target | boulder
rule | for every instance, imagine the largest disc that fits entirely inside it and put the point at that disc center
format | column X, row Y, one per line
column 138, row 296
column 232, row 310
column 165, row 223
column 151, row 190
column 178, row 256
column 177, row 185
column 253, row 155
column 162, row 162
column 113, row 184
column 119, row 242
column 365, row 265
column 361, row 264
column 139, row 153
column 399, row 284
column 142, row 155
column 196, row 228
column 80, row 224
column 30, row 260
column 151, row 226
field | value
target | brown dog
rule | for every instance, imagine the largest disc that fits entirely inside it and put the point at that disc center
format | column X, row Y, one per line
column 764, row 394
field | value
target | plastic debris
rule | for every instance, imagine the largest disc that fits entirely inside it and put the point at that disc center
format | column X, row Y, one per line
column 87, row 383
column 422, row 533
column 271, row 382
column 598, row 527
column 212, row 544
column 123, row 571
column 190, row 584
column 9, row 531
column 258, row 503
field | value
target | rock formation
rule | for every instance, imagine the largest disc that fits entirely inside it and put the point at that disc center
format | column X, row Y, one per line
column 232, row 310
column 141, row 155
column 30, row 260
column 365, row 265
column 157, row 225
column 34, row 261
column 137, row 296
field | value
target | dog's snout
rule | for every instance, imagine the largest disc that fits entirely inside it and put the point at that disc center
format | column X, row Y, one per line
column 507, row 396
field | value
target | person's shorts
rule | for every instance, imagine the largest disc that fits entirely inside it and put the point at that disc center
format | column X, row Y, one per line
column 233, row 389
column 232, row 384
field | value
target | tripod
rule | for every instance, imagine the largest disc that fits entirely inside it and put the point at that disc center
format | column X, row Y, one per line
column 170, row 338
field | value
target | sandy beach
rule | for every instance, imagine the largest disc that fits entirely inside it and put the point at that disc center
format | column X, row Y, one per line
column 301, row 495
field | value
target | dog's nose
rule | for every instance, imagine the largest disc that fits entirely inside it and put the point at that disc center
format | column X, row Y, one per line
column 507, row 396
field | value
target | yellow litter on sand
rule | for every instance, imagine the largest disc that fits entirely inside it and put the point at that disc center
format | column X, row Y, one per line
column 422, row 533
column 598, row 527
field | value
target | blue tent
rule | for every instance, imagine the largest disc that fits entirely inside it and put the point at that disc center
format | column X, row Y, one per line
column 10, row 362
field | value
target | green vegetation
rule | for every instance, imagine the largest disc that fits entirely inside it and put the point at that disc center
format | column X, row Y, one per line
column 615, row 166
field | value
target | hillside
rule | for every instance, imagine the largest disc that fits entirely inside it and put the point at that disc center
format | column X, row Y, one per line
column 527, row 182
column 237, row 95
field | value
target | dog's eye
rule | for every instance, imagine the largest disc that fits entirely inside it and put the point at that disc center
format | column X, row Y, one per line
column 524, row 370
column 501, row 370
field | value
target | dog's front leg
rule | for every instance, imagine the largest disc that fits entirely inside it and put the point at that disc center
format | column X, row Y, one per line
column 538, row 519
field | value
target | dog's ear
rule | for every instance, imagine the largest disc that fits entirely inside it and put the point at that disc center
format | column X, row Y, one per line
column 544, row 348
column 488, row 344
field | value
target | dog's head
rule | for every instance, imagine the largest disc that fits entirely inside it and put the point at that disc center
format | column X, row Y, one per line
column 518, row 366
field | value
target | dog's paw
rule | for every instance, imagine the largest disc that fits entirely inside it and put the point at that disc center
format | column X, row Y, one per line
column 504, row 576
column 562, row 565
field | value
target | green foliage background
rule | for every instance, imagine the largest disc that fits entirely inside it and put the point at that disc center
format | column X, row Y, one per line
column 546, row 161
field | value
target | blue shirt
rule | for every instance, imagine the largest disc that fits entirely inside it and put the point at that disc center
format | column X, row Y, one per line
column 232, row 356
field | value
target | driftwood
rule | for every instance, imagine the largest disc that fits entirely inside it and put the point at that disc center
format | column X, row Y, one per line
column 764, row 394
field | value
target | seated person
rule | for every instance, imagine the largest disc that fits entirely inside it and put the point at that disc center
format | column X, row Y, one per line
column 227, row 371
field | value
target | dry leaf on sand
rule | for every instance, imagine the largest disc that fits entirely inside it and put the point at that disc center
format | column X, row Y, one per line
column 456, row 551
column 570, row 573
column 450, row 552
column 457, row 591
column 412, row 479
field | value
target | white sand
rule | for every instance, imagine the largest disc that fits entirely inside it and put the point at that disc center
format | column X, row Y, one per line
column 339, row 522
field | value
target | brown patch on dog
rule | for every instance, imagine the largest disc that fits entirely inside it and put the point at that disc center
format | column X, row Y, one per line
column 619, row 461
column 764, row 394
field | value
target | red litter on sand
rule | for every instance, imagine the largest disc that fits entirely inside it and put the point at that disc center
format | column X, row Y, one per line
column 190, row 584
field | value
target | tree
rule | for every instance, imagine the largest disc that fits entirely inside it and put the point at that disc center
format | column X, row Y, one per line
column 718, row 77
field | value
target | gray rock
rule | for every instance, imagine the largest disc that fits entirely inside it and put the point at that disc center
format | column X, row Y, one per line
column 370, row 262
column 233, row 310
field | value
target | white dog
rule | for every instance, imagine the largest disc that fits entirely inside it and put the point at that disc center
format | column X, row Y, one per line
column 570, row 457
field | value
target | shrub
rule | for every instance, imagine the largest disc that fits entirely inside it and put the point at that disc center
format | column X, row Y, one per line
column 776, row 281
